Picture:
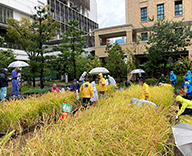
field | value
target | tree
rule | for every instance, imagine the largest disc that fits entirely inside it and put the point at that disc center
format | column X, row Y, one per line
column 33, row 36
column 167, row 38
column 181, row 65
column 75, row 43
column 20, row 31
column 6, row 57
column 115, row 62
column 81, row 63
column 93, row 62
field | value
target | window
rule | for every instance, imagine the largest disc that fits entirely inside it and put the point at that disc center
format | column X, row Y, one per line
column 5, row 13
column 144, row 36
column 178, row 8
column 143, row 14
column 160, row 11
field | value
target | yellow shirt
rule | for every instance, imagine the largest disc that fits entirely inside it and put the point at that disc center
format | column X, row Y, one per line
column 87, row 90
column 102, row 83
column 185, row 104
column 145, row 92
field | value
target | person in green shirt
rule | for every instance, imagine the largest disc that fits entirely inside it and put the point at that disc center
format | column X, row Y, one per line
column 162, row 79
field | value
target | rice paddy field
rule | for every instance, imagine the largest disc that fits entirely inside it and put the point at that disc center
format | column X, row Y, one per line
column 113, row 127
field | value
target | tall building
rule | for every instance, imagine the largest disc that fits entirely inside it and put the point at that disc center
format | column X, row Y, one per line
column 136, row 14
column 85, row 11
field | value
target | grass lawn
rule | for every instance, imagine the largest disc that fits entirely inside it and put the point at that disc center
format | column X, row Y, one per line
column 22, row 88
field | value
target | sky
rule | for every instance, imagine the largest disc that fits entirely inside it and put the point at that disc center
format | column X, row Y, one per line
column 110, row 13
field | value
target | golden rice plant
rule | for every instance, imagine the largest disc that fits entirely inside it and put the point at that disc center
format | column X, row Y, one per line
column 31, row 110
column 113, row 127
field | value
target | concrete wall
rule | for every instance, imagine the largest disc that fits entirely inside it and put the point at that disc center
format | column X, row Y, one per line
column 22, row 7
column 93, row 10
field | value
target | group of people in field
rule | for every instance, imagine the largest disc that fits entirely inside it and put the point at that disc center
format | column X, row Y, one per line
column 89, row 90
column 184, row 97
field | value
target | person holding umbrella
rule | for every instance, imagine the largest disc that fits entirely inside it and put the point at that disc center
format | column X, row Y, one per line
column 15, row 83
column 139, row 77
column 102, row 85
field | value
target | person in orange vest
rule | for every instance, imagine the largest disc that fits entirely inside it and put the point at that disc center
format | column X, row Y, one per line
column 102, row 85
column 87, row 90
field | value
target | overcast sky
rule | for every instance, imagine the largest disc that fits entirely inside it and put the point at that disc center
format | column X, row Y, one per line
column 110, row 12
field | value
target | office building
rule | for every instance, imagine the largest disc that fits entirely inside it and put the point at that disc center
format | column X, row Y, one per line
column 136, row 14
column 85, row 11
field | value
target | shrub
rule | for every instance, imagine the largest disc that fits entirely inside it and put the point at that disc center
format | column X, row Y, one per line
column 37, row 91
column 151, row 81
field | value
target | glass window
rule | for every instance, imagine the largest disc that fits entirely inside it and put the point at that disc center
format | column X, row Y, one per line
column 1, row 15
column 178, row 8
column 144, row 36
column 143, row 14
column 160, row 11
column 5, row 13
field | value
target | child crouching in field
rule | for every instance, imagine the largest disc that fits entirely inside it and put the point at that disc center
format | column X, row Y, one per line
column 55, row 89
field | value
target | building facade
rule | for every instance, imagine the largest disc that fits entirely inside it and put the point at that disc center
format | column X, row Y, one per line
column 85, row 11
column 136, row 14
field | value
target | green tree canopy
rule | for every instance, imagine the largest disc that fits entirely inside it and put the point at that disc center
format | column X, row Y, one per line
column 6, row 57
column 115, row 61
column 74, row 44
column 167, row 38
column 33, row 36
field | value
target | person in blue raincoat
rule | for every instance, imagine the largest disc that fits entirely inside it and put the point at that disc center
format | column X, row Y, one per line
column 189, row 92
column 15, row 83
column 184, row 86
column 189, row 75
column 173, row 79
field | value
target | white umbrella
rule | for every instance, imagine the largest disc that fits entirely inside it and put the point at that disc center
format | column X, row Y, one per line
column 183, row 138
column 18, row 64
column 99, row 70
column 83, row 76
column 136, row 71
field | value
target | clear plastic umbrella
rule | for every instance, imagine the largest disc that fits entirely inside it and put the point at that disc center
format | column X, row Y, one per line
column 18, row 64
column 99, row 70
column 183, row 138
column 83, row 76
column 136, row 71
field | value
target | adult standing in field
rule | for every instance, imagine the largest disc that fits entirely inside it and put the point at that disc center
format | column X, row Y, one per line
column 95, row 96
column 173, row 80
column 139, row 77
column 189, row 76
column 15, row 83
column 162, row 79
column 74, row 86
column 3, row 84
column 102, row 85
column 145, row 95
column 87, row 90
